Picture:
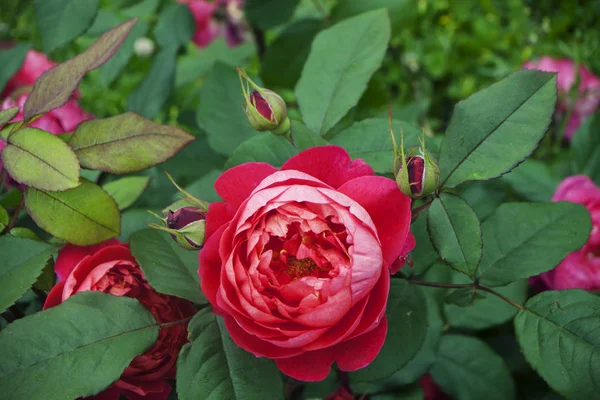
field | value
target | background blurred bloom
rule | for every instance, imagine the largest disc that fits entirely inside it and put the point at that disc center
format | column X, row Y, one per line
column 588, row 92
column 580, row 269
column 216, row 18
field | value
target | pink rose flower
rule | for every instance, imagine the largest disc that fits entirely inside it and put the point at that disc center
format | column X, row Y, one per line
column 34, row 65
column 588, row 92
column 580, row 269
column 110, row 267
column 297, row 260
column 206, row 28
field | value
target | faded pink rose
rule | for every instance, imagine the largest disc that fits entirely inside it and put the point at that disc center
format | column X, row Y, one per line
column 297, row 260
column 588, row 92
column 580, row 269
column 34, row 65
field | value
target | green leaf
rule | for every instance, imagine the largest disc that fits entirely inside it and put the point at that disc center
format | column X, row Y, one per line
column 141, row 9
column 198, row 62
column 134, row 220
column 468, row 369
column 151, row 95
column 487, row 312
column 304, row 138
column 424, row 255
column 109, row 71
column 287, row 54
column 483, row 196
column 526, row 239
column 585, row 148
column 204, row 188
column 266, row 14
column 168, row 268
column 126, row 191
column 464, row 297
column 83, row 216
column 558, row 333
column 370, row 140
column 53, row 355
column 407, row 324
column 213, row 367
column 401, row 11
column 497, row 128
column 455, row 233
column 104, row 21
column 175, row 26
column 21, row 263
column 7, row 115
column 532, row 180
column 220, row 113
column 39, row 159
column 61, row 21
column 126, row 143
column 341, row 62
column 55, row 87
column 4, row 218
column 11, row 60
column 265, row 147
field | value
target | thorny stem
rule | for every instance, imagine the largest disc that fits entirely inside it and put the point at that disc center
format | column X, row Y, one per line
column 15, row 216
column 475, row 285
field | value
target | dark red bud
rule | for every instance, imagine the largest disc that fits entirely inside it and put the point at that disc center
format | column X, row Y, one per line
column 262, row 106
column 183, row 217
column 416, row 169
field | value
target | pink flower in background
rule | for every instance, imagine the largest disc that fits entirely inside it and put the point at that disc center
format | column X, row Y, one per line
column 33, row 67
column 580, row 269
column 588, row 92
column 208, row 26
column 431, row 391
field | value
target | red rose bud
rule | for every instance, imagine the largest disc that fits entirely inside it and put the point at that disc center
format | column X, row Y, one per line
column 265, row 109
column 187, row 227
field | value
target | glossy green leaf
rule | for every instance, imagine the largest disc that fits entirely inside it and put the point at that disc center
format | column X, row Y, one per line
column 91, row 334
column 220, row 112
column 56, row 85
column 21, row 263
column 83, row 216
column 211, row 366
column 526, row 239
column 483, row 196
column 61, row 21
column 497, row 128
column 110, row 71
column 287, row 54
column 7, row 115
column 265, row 147
column 168, row 268
column 532, row 180
column 151, row 95
column 175, row 26
column 266, row 14
column 455, row 233
column 558, row 334
column 126, row 143
column 341, row 62
column 126, row 191
column 39, row 159
column 468, row 369
column 11, row 60
column 134, row 220
column 585, row 148
column 370, row 140
column 407, row 325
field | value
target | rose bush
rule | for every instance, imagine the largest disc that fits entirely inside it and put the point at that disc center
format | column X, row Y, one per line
column 296, row 260
column 109, row 267
column 588, row 91
column 580, row 269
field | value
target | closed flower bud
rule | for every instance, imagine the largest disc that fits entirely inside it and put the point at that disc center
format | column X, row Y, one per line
column 418, row 175
column 265, row 109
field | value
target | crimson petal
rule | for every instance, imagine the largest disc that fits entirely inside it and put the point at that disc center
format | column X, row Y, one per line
column 235, row 185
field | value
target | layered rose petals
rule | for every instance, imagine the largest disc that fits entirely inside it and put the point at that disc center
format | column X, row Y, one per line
column 111, row 268
column 299, row 265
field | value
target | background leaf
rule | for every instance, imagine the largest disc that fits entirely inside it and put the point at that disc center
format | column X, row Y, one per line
column 39, row 159
column 126, row 143
column 224, row 370
column 168, row 268
column 126, row 191
column 532, row 180
column 585, row 148
column 526, row 239
column 11, row 60
column 175, row 26
column 91, row 334
column 61, row 21
column 5, row 116
column 21, row 263
column 468, row 369
column 265, row 147
column 498, row 127
column 342, row 60
column 83, row 216
column 558, row 333
column 455, row 233
column 266, row 14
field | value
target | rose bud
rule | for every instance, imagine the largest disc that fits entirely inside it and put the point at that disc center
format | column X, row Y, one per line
column 265, row 109
column 188, row 224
